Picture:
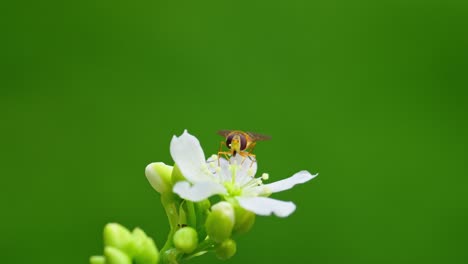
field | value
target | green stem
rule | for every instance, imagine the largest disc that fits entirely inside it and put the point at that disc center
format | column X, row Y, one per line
column 204, row 246
column 168, row 243
column 192, row 218
column 168, row 253
column 170, row 207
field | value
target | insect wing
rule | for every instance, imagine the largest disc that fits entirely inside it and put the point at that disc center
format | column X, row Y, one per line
column 224, row 133
column 258, row 137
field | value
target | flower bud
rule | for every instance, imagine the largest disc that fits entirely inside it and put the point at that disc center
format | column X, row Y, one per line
column 186, row 239
column 220, row 221
column 203, row 205
column 118, row 237
column 97, row 260
column 226, row 249
column 159, row 176
column 244, row 220
column 149, row 253
column 177, row 175
column 115, row 256
column 145, row 250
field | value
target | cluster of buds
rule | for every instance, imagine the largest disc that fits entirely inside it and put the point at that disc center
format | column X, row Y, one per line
column 199, row 225
column 124, row 247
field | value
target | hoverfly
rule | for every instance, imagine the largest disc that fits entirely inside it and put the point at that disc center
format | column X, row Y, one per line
column 240, row 142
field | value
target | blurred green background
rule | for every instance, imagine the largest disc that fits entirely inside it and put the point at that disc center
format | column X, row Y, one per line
column 370, row 94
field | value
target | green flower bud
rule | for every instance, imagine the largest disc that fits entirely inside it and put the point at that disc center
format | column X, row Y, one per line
column 226, row 250
column 186, row 239
column 203, row 205
column 244, row 220
column 115, row 256
column 220, row 221
column 145, row 250
column 97, row 260
column 139, row 237
column 159, row 176
column 177, row 175
column 119, row 237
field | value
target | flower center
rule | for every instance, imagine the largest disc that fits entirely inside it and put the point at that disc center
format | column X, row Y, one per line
column 233, row 189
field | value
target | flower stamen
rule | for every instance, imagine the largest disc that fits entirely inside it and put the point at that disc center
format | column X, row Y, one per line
column 252, row 183
column 233, row 168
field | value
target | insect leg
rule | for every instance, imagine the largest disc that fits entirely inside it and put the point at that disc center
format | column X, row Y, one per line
column 250, row 154
column 225, row 153
column 220, row 151
column 252, row 146
column 244, row 156
column 250, row 157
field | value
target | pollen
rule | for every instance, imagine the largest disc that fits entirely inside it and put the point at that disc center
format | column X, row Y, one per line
column 265, row 176
column 213, row 164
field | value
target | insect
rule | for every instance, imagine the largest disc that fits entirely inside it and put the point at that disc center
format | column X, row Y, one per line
column 240, row 142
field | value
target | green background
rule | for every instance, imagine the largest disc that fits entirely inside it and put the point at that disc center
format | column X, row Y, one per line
column 372, row 95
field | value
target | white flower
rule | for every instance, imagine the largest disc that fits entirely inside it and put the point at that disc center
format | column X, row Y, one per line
column 234, row 178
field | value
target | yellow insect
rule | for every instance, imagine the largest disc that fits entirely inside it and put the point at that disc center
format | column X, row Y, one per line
column 240, row 142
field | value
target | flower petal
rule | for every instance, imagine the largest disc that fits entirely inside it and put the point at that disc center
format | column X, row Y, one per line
column 189, row 157
column 246, row 170
column 288, row 183
column 221, row 171
column 199, row 191
column 267, row 206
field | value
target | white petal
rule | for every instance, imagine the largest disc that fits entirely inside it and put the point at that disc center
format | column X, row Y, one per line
column 286, row 184
column 212, row 163
column 189, row 157
column 246, row 171
column 267, row 206
column 199, row 191
column 222, row 170
column 225, row 172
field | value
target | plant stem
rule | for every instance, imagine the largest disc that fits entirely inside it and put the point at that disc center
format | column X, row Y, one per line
column 192, row 218
column 168, row 253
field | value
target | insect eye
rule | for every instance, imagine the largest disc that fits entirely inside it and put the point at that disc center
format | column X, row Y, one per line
column 243, row 141
column 229, row 140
